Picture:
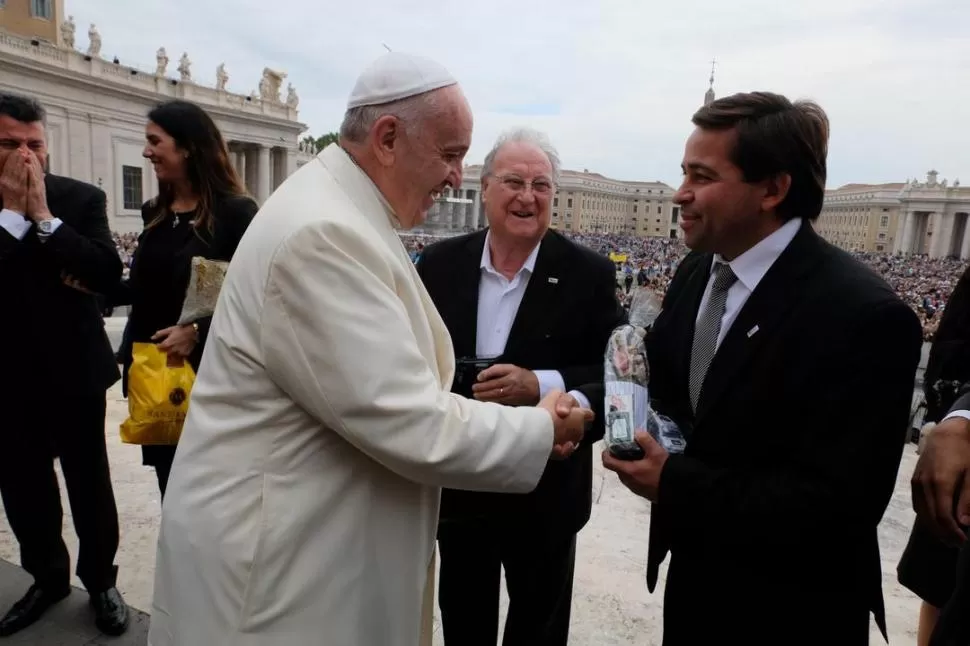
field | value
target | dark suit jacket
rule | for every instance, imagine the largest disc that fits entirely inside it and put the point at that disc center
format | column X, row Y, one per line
column 770, row 516
column 953, row 627
column 58, row 331
column 560, row 326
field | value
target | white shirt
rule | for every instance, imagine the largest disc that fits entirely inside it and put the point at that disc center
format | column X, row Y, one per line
column 498, row 303
column 18, row 226
column 750, row 267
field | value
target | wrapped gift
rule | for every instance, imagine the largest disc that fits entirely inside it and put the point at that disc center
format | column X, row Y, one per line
column 626, row 380
column 203, row 290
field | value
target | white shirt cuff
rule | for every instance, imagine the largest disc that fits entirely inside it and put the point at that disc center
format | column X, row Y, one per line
column 581, row 398
column 965, row 414
column 549, row 380
column 15, row 223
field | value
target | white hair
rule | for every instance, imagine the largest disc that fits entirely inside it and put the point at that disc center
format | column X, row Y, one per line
column 412, row 112
column 528, row 136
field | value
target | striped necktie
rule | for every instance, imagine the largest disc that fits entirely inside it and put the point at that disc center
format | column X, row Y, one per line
column 707, row 330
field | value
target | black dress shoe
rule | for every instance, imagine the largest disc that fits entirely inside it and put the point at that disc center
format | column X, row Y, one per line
column 110, row 612
column 30, row 608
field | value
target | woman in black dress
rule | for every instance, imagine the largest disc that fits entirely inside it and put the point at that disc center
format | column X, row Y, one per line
column 928, row 567
column 202, row 209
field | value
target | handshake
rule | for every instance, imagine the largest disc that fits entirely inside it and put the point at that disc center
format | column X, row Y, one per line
column 569, row 422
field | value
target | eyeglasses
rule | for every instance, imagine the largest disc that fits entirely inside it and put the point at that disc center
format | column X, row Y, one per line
column 540, row 186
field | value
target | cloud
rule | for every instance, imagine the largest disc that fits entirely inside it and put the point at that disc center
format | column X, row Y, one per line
column 613, row 82
column 529, row 109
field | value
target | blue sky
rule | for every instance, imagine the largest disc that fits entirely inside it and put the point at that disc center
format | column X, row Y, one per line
column 612, row 82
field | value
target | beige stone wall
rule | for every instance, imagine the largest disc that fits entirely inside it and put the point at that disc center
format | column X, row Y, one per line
column 15, row 17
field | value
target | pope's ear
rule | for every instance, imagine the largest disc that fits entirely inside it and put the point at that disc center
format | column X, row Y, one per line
column 386, row 135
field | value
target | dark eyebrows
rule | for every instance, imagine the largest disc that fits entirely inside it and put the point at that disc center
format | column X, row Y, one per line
column 695, row 166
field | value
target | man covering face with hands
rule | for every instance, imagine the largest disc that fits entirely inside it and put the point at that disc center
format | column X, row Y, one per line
column 51, row 227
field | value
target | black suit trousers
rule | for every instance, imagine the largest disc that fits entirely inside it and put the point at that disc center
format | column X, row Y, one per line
column 538, row 576
column 71, row 428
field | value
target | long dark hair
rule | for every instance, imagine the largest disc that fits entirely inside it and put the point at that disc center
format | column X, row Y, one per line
column 209, row 172
column 948, row 367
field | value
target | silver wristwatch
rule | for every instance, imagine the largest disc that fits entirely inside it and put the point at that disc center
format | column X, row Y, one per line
column 45, row 227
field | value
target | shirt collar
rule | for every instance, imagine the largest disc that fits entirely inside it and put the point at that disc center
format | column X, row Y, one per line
column 751, row 266
column 486, row 262
column 366, row 180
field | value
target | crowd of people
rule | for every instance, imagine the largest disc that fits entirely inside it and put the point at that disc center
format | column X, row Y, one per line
column 924, row 283
column 126, row 244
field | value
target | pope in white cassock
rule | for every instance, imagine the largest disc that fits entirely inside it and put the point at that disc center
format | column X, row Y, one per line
column 303, row 501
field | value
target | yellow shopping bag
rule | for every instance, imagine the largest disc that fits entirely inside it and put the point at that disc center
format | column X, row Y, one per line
column 158, row 397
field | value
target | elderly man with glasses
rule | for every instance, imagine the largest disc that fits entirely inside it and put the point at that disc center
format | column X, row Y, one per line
column 529, row 312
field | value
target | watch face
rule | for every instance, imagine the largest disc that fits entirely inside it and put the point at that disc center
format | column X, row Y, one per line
column 45, row 226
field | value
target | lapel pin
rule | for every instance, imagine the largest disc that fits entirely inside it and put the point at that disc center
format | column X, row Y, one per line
column 554, row 281
column 753, row 331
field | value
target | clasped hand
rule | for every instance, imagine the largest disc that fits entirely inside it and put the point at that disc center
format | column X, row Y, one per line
column 569, row 421
column 507, row 384
column 941, row 480
column 22, row 188
column 177, row 341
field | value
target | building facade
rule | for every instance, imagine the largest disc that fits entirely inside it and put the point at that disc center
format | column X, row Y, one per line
column 97, row 109
column 904, row 218
column 584, row 203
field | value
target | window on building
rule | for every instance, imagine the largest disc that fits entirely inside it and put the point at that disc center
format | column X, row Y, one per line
column 41, row 9
column 569, row 203
column 555, row 201
column 884, row 221
column 660, row 209
column 131, row 187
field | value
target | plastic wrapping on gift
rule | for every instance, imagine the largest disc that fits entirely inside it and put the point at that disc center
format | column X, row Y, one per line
column 626, row 379
column 202, row 293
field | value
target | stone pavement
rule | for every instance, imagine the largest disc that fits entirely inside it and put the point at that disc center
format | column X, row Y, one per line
column 69, row 623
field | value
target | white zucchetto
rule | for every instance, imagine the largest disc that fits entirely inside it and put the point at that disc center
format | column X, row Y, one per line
column 396, row 76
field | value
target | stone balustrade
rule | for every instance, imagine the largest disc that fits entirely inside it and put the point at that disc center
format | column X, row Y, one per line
column 49, row 55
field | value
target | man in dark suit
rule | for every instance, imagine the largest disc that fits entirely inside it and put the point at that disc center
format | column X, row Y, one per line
column 941, row 498
column 60, row 363
column 790, row 366
column 541, row 308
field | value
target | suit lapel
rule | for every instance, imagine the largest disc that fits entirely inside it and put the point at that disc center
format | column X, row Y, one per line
column 691, row 302
column 540, row 295
column 464, row 298
column 767, row 307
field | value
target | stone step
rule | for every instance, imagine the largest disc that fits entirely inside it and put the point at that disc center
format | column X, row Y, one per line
column 69, row 623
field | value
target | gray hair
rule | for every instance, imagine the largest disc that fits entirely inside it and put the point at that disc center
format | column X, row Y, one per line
column 411, row 111
column 528, row 136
